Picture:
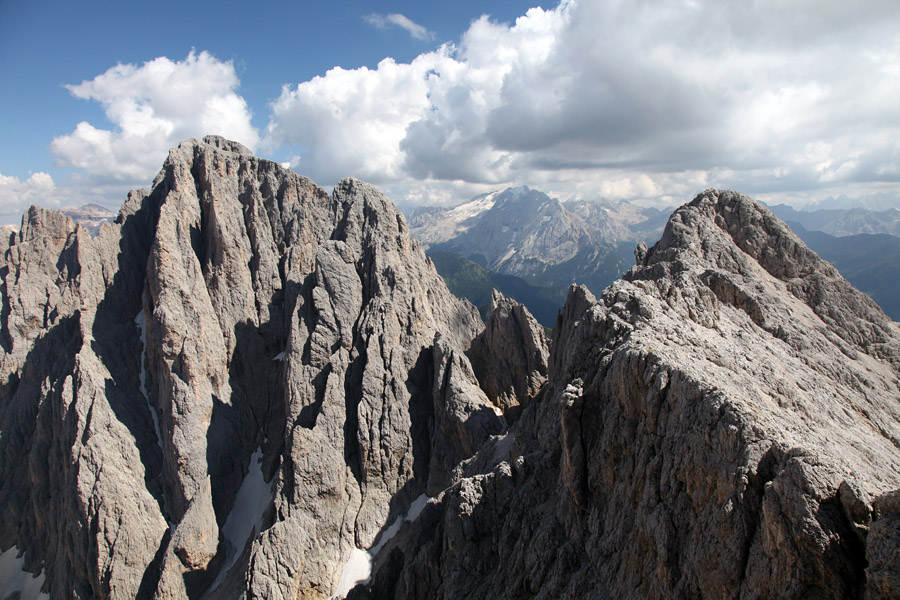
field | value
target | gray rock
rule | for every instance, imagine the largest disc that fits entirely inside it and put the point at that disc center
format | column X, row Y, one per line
column 723, row 422
column 510, row 356
column 275, row 317
column 883, row 548
column 715, row 425
column 79, row 480
column 464, row 417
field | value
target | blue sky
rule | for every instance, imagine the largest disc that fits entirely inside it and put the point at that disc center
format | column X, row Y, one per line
column 649, row 101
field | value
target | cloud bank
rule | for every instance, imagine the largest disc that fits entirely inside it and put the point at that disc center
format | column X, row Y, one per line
column 17, row 195
column 622, row 99
column 154, row 107
column 649, row 101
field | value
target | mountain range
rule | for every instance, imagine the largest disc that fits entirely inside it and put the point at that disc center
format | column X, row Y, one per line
column 549, row 244
column 524, row 233
column 247, row 387
column 870, row 261
column 842, row 222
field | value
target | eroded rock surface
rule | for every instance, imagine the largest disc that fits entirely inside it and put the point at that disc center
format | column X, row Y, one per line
column 236, row 306
column 724, row 422
column 243, row 382
column 510, row 356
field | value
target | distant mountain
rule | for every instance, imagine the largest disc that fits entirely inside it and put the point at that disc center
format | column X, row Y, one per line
column 434, row 224
column 871, row 262
column 842, row 222
column 877, row 202
column 524, row 232
column 470, row 280
column 621, row 221
column 91, row 216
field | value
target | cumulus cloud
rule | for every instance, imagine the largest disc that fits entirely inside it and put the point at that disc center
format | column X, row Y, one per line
column 154, row 107
column 403, row 22
column 628, row 99
column 17, row 195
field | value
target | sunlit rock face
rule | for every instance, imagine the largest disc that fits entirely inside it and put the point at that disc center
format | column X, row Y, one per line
column 724, row 422
column 236, row 336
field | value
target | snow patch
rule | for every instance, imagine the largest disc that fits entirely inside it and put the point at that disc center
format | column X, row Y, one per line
column 510, row 252
column 14, row 578
column 472, row 208
column 250, row 503
column 141, row 321
column 415, row 509
column 245, row 518
column 502, row 447
column 358, row 568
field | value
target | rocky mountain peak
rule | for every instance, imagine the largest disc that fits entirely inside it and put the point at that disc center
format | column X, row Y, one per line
column 709, row 428
column 243, row 365
column 751, row 226
column 225, row 145
column 523, row 232
column 745, row 255
column 510, row 356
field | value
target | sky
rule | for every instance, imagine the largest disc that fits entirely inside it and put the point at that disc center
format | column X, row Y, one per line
column 649, row 101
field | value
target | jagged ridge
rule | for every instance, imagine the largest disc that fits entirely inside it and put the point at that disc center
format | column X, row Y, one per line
column 721, row 423
column 273, row 317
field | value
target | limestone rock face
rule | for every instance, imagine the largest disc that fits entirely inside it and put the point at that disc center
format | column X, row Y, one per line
column 510, row 355
column 883, row 548
column 234, row 311
column 464, row 416
column 724, row 422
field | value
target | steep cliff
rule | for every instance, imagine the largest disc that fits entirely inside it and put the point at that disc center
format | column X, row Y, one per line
column 722, row 423
column 228, row 389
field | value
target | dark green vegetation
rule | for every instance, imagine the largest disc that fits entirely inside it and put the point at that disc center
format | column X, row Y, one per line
column 470, row 280
column 595, row 267
column 544, row 293
column 871, row 262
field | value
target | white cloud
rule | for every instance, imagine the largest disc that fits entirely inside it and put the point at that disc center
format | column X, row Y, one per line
column 403, row 22
column 17, row 195
column 154, row 107
column 351, row 122
column 628, row 99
